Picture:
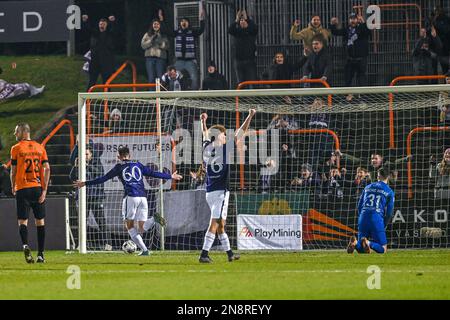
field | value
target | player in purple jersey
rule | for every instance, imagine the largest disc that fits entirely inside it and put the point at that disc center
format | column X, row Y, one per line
column 217, row 176
column 134, row 204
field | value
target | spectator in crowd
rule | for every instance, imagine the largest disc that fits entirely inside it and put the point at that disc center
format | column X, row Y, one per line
column 318, row 65
column 287, row 155
column 281, row 69
column 102, row 41
column 97, row 150
column 83, row 36
column 173, row 80
column 444, row 113
column 283, row 121
column 435, row 45
column 362, row 179
column 307, row 35
column 185, row 48
column 376, row 162
column 423, row 60
column 320, row 144
column 333, row 161
column 95, row 196
column 214, row 80
column 268, row 176
column 5, row 181
column 335, row 183
column 156, row 46
column 441, row 23
column 198, row 179
column 244, row 31
column 356, row 36
column 441, row 174
column 307, row 178
column 116, row 123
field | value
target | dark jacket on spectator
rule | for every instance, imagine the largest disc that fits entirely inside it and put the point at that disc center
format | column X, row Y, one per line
column 215, row 81
column 282, row 71
column 357, row 39
column 318, row 64
column 97, row 151
column 245, row 40
column 102, row 46
column 423, row 59
column 442, row 25
column 94, row 169
column 312, row 181
column 5, row 181
column 177, row 84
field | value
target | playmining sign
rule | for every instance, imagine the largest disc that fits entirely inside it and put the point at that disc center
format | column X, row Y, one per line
column 35, row 21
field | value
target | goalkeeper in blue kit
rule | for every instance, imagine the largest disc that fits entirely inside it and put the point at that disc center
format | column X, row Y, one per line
column 375, row 208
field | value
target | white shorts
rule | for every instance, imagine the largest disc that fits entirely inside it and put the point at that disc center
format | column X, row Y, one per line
column 135, row 208
column 218, row 203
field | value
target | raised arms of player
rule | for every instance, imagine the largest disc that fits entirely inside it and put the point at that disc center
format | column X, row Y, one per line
column 114, row 172
column 161, row 175
column 203, row 118
column 243, row 129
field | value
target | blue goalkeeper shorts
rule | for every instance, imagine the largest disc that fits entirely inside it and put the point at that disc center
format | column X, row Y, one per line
column 371, row 226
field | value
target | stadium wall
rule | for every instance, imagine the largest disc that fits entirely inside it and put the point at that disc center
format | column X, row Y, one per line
column 55, row 223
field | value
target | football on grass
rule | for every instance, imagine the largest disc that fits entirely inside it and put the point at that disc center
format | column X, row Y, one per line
column 129, row 247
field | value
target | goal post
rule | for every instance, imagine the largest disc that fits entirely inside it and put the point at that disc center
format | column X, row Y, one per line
column 294, row 180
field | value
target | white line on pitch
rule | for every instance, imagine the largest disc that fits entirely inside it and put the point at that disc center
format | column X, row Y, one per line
column 223, row 271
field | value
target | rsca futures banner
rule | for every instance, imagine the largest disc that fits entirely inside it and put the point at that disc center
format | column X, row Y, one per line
column 35, row 21
column 269, row 232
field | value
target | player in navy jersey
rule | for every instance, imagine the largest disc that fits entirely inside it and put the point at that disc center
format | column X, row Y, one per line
column 216, row 162
column 375, row 208
column 134, row 204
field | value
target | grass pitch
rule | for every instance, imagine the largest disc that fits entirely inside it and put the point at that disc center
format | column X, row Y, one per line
column 413, row 274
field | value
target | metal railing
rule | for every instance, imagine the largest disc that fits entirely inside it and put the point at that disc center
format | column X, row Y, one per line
column 391, row 102
column 61, row 124
column 409, row 152
column 407, row 23
column 105, row 88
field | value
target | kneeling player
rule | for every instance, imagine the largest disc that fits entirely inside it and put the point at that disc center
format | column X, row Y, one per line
column 134, row 204
column 375, row 209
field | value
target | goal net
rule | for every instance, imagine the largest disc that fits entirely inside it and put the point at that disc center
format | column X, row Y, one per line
column 295, row 179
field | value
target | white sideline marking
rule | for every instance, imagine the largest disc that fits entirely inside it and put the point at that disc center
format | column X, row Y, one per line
column 224, row 271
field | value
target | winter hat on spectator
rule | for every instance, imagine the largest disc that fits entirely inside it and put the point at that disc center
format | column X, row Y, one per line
column 353, row 15
column 212, row 64
column 306, row 167
column 115, row 112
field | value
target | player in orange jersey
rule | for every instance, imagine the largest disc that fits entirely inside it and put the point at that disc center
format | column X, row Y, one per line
column 30, row 174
